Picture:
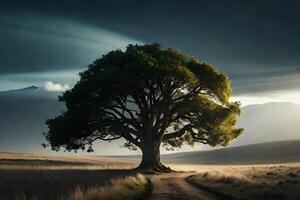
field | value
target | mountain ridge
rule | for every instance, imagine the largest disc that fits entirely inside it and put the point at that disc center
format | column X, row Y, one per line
column 270, row 103
column 32, row 87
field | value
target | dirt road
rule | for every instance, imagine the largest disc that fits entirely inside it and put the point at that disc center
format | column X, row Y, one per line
column 173, row 186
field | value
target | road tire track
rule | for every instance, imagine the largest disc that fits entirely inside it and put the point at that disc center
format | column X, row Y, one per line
column 173, row 186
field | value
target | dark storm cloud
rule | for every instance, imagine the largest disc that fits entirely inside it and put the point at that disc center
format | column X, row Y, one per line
column 31, row 43
column 253, row 41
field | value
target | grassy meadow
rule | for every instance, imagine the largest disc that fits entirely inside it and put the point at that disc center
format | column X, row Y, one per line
column 251, row 182
column 27, row 176
column 36, row 176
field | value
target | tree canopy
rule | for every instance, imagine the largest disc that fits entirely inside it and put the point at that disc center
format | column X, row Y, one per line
column 148, row 95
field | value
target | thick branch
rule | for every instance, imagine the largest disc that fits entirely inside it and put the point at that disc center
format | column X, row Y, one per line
column 178, row 133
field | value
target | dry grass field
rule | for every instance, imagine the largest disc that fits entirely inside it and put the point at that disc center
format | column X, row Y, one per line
column 12, row 160
column 42, row 177
column 250, row 182
column 35, row 176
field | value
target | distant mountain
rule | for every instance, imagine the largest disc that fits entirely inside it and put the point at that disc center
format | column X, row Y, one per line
column 23, row 114
column 263, row 153
column 33, row 87
column 30, row 92
column 269, row 122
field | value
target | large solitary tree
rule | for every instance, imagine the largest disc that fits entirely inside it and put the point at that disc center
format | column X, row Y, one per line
column 148, row 95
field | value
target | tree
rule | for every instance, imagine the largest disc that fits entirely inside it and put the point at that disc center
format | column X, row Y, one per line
column 150, row 96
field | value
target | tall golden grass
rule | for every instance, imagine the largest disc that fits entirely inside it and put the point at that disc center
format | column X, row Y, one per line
column 132, row 187
column 128, row 188
column 43, row 177
column 256, row 182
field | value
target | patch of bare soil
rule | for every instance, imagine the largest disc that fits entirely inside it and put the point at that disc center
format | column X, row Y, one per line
column 174, row 186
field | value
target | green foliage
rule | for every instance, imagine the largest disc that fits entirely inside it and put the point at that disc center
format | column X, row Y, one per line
column 144, row 94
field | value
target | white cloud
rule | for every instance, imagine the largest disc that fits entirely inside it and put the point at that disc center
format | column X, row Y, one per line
column 56, row 87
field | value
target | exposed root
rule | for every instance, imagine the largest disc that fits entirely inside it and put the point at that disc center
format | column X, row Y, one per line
column 157, row 168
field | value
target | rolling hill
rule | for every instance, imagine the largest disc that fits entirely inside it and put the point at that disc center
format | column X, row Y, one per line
column 262, row 153
column 269, row 122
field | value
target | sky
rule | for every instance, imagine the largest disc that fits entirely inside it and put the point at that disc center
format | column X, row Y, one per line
column 255, row 42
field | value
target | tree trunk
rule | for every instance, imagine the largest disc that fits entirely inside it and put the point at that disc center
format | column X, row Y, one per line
column 151, row 158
